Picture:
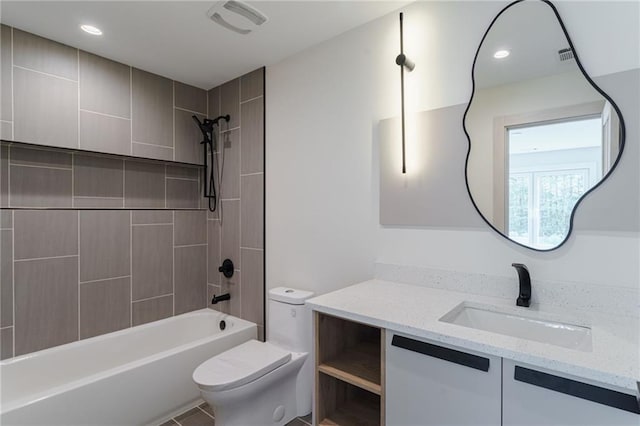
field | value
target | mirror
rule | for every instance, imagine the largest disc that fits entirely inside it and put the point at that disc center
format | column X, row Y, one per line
column 541, row 134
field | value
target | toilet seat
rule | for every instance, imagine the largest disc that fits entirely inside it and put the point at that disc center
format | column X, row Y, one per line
column 240, row 365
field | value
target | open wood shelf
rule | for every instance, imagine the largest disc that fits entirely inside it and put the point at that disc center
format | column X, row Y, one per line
column 357, row 412
column 358, row 365
column 349, row 372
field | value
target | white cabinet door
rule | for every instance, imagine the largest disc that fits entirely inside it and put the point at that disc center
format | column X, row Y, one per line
column 538, row 397
column 429, row 383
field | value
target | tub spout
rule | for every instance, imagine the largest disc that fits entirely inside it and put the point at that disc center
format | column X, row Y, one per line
column 220, row 298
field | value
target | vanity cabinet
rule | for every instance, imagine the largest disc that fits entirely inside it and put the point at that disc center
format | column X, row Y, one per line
column 538, row 397
column 435, row 384
column 349, row 372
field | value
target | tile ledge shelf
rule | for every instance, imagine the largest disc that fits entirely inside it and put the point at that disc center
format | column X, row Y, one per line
column 6, row 142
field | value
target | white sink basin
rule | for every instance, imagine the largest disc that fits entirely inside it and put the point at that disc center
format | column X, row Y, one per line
column 495, row 320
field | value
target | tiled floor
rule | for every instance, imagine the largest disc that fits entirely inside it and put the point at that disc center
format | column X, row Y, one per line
column 202, row 415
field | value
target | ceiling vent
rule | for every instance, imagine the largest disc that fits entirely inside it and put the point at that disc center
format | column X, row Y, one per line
column 236, row 16
column 565, row 54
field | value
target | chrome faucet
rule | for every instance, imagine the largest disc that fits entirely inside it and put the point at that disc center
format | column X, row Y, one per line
column 524, row 296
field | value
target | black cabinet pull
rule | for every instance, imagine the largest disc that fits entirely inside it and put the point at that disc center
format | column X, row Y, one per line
column 451, row 355
column 604, row 396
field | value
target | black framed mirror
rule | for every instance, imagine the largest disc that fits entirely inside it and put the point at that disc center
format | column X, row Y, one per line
column 542, row 135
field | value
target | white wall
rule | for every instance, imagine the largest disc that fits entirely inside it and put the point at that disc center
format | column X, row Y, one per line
column 322, row 162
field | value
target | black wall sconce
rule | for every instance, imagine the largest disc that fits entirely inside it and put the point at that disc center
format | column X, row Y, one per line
column 407, row 63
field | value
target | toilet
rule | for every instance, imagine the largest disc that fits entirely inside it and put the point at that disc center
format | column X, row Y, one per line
column 264, row 383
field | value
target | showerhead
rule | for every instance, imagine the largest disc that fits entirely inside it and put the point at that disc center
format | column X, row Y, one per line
column 205, row 127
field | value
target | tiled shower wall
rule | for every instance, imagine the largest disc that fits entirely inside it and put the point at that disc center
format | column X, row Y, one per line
column 70, row 271
column 236, row 230
column 77, row 257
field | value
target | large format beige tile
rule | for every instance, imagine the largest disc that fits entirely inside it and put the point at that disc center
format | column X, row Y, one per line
column 190, row 278
column 104, row 85
column 4, row 176
column 6, row 277
column 104, row 244
column 144, row 185
column 46, row 303
column 213, row 102
column 103, row 133
column 252, row 85
column 195, row 417
column 253, row 285
column 252, row 212
column 151, row 151
column 233, row 287
column 188, row 137
column 187, row 172
column 44, row 55
column 6, row 219
column 51, row 103
column 6, row 343
column 252, row 142
column 190, row 97
column 152, row 261
column 6, row 89
column 105, row 306
column 39, row 187
column 40, row 157
column 95, row 176
column 230, row 183
column 6, row 130
column 183, row 194
column 45, row 233
column 151, row 310
column 190, row 227
column 213, row 243
column 152, row 216
column 230, row 101
column 152, row 100
column 230, row 236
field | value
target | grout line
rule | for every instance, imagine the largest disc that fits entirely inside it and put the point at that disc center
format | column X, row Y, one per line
column 78, row 218
column 99, row 198
column 103, row 114
column 189, row 245
column 13, row 273
column 151, row 298
column 5, row 327
column 182, row 178
column 131, row 268
column 131, row 110
column 45, row 258
column 165, row 187
column 78, row 115
column 229, row 199
column 173, row 119
column 44, row 73
column 151, row 224
column 249, row 100
column 13, row 97
column 6, row 121
column 41, row 167
column 198, row 407
column 73, row 189
column 104, row 279
column 124, row 177
column 150, row 144
column 252, row 174
column 189, row 110
column 251, row 248
column 9, row 191
column 173, row 254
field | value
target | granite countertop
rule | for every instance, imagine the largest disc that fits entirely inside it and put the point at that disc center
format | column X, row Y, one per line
column 614, row 359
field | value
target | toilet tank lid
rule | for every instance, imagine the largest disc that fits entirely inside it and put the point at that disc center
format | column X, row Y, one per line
column 289, row 295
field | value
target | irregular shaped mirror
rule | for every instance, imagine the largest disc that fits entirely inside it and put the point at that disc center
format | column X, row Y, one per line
column 541, row 133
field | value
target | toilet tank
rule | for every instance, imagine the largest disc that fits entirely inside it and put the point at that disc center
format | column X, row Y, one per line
column 289, row 324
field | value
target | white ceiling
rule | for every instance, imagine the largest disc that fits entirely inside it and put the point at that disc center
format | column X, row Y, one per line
column 176, row 39
column 533, row 36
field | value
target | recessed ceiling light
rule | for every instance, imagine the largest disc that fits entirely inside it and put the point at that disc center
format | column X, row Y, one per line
column 501, row 54
column 91, row 29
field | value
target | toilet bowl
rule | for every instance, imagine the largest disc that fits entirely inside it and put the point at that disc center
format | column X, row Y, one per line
column 264, row 383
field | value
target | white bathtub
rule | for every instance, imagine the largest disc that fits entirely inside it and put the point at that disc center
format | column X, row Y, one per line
column 131, row 377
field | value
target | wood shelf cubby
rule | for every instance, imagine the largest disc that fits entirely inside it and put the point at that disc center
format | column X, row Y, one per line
column 349, row 372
